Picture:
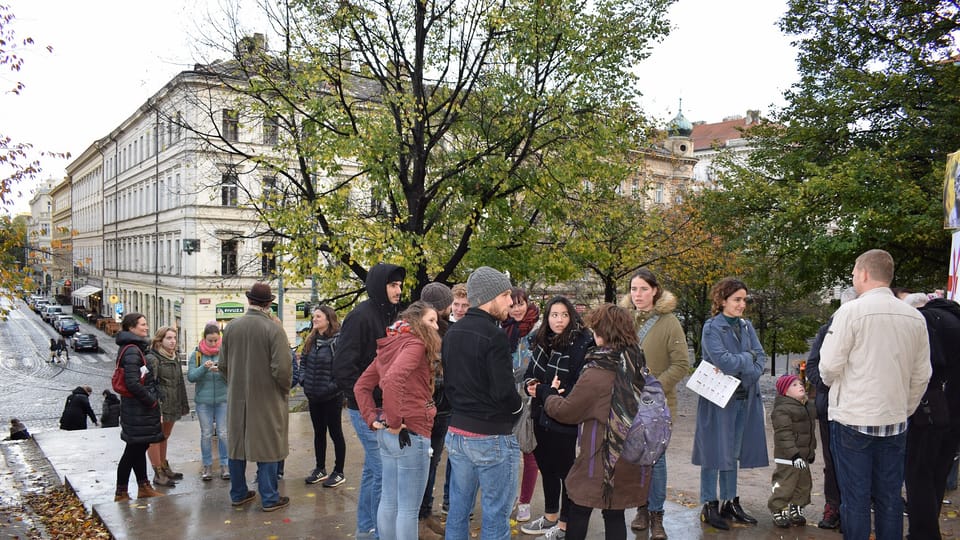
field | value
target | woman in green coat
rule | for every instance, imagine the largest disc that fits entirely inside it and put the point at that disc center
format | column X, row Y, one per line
column 173, row 400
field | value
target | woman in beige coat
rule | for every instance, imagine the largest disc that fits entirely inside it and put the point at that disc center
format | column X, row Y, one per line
column 607, row 388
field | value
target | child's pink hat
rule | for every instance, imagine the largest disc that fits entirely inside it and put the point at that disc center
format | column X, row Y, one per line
column 784, row 382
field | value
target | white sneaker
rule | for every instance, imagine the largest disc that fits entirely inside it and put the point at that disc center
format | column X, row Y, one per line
column 523, row 512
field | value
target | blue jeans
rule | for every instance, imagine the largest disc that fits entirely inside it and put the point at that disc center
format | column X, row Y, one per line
column 658, row 485
column 727, row 478
column 266, row 481
column 404, row 478
column 208, row 413
column 868, row 467
column 437, row 436
column 370, row 478
column 492, row 464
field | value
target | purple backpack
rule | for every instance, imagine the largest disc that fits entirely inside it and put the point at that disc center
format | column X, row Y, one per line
column 649, row 433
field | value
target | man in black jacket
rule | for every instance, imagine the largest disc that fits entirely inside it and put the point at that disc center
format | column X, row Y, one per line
column 478, row 381
column 356, row 349
column 934, row 433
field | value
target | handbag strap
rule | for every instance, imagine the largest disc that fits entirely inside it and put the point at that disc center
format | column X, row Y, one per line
column 642, row 332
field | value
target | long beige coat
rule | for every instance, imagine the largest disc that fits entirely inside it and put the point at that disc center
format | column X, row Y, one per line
column 255, row 360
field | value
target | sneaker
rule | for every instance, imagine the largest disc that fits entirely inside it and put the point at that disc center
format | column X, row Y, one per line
column 782, row 518
column 554, row 533
column 523, row 512
column 334, row 480
column 796, row 516
column 831, row 517
column 541, row 525
column 318, row 475
column 224, row 472
column 283, row 502
column 207, row 473
column 445, row 509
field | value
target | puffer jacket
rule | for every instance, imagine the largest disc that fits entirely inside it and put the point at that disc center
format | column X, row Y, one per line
column 76, row 411
column 140, row 414
column 110, row 413
column 211, row 387
column 794, row 428
column 316, row 370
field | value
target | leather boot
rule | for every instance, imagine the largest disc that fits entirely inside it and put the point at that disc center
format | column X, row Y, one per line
column 161, row 479
column 145, row 490
column 121, row 495
column 732, row 510
column 642, row 521
column 657, row 532
column 425, row 533
column 171, row 474
column 711, row 516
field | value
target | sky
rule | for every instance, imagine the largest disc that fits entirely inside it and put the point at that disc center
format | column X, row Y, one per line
column 110, row 56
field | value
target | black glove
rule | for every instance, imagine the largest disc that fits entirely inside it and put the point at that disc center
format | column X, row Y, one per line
column 404, row 438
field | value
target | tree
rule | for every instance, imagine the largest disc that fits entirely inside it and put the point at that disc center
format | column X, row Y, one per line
column 16, row 166
column 855, row 159
column 440, row 136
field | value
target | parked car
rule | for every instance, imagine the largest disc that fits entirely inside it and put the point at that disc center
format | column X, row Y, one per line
column 51, row 312
column 85, row 342
column 38, row 305
column 60, row 319
column 68, row 327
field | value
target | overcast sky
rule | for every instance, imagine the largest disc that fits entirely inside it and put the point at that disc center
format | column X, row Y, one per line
column 109, row 56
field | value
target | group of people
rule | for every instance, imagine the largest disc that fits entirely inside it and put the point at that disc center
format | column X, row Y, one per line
column 58, row 348
column 77, row 409
column 454, row 369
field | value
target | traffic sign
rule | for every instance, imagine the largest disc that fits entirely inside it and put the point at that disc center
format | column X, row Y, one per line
column 119, row 308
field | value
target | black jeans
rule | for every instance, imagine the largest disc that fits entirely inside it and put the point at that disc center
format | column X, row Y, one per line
column 325, row 416
column 555, row 453
column 437, row 436
column 134, row 458
column 614, row 525
column 831, row 491
column 930, row 454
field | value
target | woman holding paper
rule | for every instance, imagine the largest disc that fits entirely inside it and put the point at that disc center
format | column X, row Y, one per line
column 664, row 346
column 731, row 436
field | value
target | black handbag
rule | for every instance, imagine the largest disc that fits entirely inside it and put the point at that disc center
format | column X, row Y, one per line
column 933, row 410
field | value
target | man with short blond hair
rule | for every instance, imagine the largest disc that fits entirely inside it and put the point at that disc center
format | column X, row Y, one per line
column 876, row 360
column 460, row 302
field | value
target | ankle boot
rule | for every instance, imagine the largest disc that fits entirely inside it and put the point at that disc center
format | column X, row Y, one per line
column 160, row 478
column 732, row 510
column 145, row 490
column 657, row 532
column 170, row 472
column 711, row 516
column 642, row 521
column 121, row 495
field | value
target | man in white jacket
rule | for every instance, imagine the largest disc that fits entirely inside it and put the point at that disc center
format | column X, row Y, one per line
column 876, row 360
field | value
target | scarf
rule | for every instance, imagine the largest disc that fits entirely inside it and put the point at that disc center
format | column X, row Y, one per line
column 207, row 350
column 162, row 353
column 627, row 384
column 399, row 327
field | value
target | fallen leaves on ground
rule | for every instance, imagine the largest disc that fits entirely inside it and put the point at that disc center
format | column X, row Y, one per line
column 64, row 516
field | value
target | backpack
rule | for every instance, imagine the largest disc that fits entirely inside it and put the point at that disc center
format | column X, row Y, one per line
column 649, row 433
column 118, row 381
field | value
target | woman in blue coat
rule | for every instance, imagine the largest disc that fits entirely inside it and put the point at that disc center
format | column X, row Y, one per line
column 732, row 436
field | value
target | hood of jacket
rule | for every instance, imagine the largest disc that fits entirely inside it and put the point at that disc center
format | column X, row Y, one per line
column 79, row 390
column 666, row 304
column 376, row 284
column 126, row 337
column 387, row 347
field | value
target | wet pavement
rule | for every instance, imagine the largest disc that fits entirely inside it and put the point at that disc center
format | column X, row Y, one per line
column 86, row 460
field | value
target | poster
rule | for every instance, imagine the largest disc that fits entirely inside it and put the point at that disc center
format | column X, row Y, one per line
column 951, row 192
column 954, row 274
column 713, row 384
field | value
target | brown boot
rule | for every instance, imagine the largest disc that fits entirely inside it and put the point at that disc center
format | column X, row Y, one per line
column 160, row 478
column 425, row 533
column 642, row 521
column 170, row 472
column 433, row 523
column 121, row 495
column 657, row 531
column 145, row 490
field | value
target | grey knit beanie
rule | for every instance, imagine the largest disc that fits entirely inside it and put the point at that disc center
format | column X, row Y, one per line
column 484, row 284
column 437, row 295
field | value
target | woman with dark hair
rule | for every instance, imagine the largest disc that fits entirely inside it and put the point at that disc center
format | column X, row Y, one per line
column 210, row 401
column 139, row 413
column 323, row 396
column 405, row 369
column 523, row 322
column 559, row 351
column 174, row 403
column 733, row 435
column 664, row 346
column 604, row 403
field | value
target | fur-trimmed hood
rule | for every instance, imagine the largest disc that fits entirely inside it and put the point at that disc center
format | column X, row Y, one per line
column 666, row 304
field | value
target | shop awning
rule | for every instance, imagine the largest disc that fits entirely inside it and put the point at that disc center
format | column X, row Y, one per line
column 85, row 291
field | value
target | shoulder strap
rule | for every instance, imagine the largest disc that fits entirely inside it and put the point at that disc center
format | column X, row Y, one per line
column 642, row 332
column 199, row 358
column 125, row 347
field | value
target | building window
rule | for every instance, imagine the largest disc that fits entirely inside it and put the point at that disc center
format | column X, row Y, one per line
column 268, row 262
column 271, row 130
column 635, row 188
column 658, row 194
column 228, row 189
column 228, row 258
column 270, row 194
column 231, row 125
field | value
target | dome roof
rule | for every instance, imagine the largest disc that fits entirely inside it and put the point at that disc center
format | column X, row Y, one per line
column 679, row 126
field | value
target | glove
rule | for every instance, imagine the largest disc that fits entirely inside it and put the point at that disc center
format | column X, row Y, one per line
column 405, row 438
column 800, row 463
